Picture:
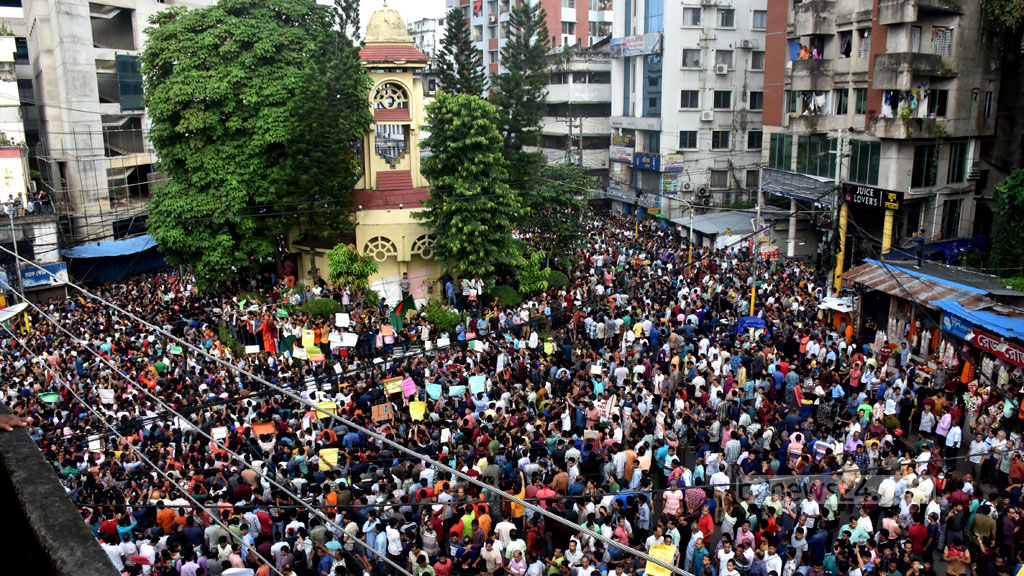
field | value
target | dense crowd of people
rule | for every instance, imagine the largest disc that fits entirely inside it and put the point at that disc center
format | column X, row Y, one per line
column 642, row 403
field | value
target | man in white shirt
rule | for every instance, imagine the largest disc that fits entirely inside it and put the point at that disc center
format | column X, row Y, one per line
column 976, row 454
column 720, row 482
column 772, row 563
column 113, row 552
column 809, row 507
column 655, row 539
column 953, row 439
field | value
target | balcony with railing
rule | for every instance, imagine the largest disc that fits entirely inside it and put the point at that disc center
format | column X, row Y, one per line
column 897, row 71
column 908, row 11
column 814, row 17
column 811, row 75
column 904, row 128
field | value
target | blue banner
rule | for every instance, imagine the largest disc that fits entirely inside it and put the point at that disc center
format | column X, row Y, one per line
column 956, row 326
column 645, row 161
column 51, row 275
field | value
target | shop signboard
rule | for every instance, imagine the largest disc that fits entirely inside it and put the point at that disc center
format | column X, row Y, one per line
column 1000, row 348
column 620, row 153
column 872, row 197
column 645, row 161
column 956, row 326
column 50, row 275
column 672, row 163
column 625, row 140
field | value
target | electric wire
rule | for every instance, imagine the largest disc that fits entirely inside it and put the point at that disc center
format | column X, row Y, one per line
column 381, row 438
column 139, row 454
column 220, row 445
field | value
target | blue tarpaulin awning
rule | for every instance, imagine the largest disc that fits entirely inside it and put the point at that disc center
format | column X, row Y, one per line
column 1006, row 326
column 110, row 248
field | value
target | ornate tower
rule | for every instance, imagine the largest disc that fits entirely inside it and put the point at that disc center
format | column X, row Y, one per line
column 391, row 187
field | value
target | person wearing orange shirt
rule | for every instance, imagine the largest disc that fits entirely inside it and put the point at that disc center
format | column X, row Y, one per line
column 165, row 517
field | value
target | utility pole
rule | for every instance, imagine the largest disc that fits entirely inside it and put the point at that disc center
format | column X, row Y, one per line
column 14, row 240
column 843, row 215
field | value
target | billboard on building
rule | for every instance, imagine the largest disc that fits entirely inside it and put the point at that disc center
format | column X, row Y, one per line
column 635, row 45
column 672, row 163
column 620, row 154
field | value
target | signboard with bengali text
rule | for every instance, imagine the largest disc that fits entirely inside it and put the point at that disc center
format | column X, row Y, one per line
column 635, row 45
column 998, row 347
column 872, row 197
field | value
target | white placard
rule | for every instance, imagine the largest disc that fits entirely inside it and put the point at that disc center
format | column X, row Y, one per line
column 106, row 395
column 334, row 339
column 349, row 339
column 444, row 342
column 219, row 432
column 595, row 369
column 337, row 368
column 342, row 320
column 479, row 345
column 299, row 353
column 446, row 435
column 255, row 349
column 95, row 443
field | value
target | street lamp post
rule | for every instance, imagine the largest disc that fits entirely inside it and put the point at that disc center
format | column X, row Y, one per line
column 14, row 240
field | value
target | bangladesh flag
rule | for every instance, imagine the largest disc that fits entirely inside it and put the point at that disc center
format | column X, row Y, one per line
column 398, row 312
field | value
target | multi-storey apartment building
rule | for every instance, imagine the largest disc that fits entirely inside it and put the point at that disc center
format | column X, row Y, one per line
column 569, row 22
column 575, row 128
column 888, row 99
column 687, row 96
column 94, row 152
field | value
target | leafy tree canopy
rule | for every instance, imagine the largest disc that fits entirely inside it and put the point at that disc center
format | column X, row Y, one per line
column 1008, row 233
column 350, row 269
column 256, row 109
column 1007, row 13
column 460, row 66
column 556, row 223
column 471, row 208
column 520, row 94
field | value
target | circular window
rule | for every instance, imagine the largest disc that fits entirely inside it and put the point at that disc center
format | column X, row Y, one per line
column 424, row 246
column 390, row 95
column 380, row 248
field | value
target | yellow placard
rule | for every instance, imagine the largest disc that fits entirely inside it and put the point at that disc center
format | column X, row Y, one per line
column 326, row 408
column 328, row 458
column 417, row 410
column 393, row 385
column 664, row 552
column 308, row 339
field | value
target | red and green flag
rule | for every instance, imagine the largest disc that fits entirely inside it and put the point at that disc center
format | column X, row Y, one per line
column 398, row 312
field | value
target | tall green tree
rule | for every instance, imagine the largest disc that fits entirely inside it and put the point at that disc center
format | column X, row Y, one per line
column 460, row 66
column 257, row 107
column 471, row 208
column 1008, row 233
column 1008, row 14
column 520, row 94
column 558, row 221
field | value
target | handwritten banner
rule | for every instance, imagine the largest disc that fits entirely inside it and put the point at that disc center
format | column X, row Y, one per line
column 408, row 387
column 477, row 384
column 417, row 410
column 393, row 385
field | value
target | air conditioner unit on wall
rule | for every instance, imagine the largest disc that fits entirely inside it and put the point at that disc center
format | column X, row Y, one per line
column 746, row 43
column 687, row 186
column 707, row 116
column 721, row 69
column 704, row 193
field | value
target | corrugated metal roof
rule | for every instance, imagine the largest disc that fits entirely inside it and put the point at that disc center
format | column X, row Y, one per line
column 898, row 282
column 1009, row 326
